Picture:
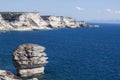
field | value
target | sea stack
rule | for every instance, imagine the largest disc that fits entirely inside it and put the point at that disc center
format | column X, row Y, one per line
column 29, row 60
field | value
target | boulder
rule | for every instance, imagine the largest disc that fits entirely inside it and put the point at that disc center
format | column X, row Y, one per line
column 29, row 59
column 7, row 75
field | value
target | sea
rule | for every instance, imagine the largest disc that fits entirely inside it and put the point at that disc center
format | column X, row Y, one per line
column 73, row 54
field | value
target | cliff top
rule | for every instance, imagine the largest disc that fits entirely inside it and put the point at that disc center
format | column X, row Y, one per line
column 19, row 12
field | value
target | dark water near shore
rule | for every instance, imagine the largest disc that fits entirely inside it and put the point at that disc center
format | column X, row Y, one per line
column 74, row 54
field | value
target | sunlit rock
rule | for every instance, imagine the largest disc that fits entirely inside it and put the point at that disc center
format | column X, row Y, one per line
column 7, row 75
column 22, row 21
column 29, row 60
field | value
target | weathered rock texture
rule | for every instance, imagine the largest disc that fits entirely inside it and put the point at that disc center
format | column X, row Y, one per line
column 33, row 21
column 29, row 60
column 7, row 75
column 61, row 22
column 21, row 21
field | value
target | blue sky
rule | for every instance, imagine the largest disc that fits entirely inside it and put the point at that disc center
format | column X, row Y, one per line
column 79, row 9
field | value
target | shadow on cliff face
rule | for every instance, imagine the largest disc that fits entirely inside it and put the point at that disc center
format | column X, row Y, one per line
column 11, row 17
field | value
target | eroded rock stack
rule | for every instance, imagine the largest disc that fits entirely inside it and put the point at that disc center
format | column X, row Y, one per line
column 29, row 60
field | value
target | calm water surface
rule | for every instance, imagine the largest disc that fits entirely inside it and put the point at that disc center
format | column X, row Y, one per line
column 74, row 54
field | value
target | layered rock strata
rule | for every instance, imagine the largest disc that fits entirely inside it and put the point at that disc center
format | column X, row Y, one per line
column 33, row 21
column 29, row 60
column 21, row 21
column 61, row 22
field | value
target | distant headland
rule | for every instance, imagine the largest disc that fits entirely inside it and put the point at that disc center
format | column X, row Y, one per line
column 24, row 21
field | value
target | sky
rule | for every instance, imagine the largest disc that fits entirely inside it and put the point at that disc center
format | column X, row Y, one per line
column 78, row 9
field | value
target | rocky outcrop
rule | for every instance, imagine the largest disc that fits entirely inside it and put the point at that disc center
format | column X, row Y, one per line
column 7, row 75
column 22, row 21
column 55, row 21
column 33, row 21
column 29, row 60
column 70, row 22
column 61, row 22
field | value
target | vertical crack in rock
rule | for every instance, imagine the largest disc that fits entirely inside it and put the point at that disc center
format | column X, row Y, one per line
column 29, row 60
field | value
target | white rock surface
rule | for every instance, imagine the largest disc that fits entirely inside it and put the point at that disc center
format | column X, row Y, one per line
column 61, row 22
column 7, row 75
column 31, row 72
column 70, row 22
column 22, row 21
column 26, row 21
column 56, row 21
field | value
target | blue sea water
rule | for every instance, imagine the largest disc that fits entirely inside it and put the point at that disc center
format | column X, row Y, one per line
column 74, row 54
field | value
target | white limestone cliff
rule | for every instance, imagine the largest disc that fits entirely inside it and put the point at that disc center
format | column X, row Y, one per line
column 33, row 21
column 23, row 21
column 56, row 21
column 61, row 22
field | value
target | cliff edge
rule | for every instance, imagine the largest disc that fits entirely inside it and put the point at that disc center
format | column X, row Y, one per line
column 33, row 21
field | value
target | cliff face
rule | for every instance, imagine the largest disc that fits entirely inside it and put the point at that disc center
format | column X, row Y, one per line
column 21, row 21
column 33, row 20
column 61, row 22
